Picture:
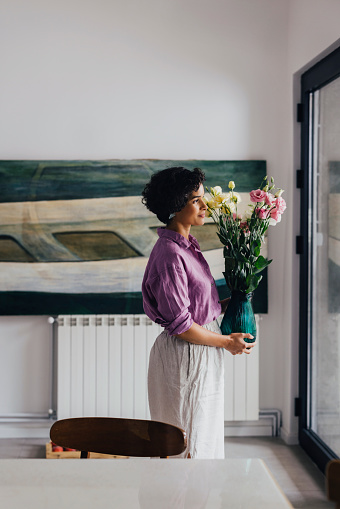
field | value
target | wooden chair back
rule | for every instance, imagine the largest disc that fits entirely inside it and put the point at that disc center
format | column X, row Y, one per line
column 121, row 437
column 333, row 482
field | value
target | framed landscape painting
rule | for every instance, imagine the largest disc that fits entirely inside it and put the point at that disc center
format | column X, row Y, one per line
column 75, row 237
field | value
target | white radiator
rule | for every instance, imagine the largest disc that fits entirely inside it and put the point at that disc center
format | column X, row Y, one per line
column 103, row 362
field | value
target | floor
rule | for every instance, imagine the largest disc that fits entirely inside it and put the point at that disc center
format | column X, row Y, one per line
column 298, row 477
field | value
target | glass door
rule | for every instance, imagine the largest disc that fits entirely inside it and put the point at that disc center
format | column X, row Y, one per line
column 320, row 262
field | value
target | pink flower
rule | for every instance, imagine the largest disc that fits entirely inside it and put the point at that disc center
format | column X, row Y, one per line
column 262, row 213
column 280, row 205
column 245, row 227
column 236, row 216
column 258, row 195
column 274, row 214
column 269, row 199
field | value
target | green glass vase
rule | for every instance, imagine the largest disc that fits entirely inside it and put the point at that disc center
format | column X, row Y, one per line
column 239, row 316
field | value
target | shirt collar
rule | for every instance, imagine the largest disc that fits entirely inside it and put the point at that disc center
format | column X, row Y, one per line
column 179, row 239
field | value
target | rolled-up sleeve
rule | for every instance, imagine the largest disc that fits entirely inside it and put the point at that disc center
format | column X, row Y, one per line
column 167, row 301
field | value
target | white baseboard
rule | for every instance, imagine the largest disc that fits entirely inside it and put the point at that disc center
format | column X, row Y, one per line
column 289, row 438
column 260, row 428
column 40, row 429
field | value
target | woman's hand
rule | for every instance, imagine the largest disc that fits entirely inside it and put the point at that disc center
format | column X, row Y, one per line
column 236, row 344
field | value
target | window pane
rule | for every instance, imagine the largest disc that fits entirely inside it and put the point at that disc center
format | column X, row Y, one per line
column 325, row 267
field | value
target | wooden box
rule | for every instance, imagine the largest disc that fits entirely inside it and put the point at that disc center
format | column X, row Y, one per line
column 75, row 454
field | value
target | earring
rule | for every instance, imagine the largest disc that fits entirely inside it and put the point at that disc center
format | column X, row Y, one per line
column 172, row 215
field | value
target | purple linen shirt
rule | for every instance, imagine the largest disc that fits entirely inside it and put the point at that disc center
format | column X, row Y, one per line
column 178, row 288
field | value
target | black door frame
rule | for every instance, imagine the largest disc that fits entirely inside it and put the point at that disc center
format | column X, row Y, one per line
column 323, row 72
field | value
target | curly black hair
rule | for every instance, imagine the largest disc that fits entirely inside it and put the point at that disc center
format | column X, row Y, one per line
column 168, row 190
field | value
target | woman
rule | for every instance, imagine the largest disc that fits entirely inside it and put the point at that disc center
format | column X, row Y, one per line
column 186, row 368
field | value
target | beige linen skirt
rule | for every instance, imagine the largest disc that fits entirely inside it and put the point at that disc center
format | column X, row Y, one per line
column 186, row 389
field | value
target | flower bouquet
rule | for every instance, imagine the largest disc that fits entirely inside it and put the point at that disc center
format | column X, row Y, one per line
column 242, row 237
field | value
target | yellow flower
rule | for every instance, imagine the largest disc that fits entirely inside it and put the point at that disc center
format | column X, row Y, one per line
column 231, row 185
column 215, row 191
column 235, row 197
column 220, row 198
column 213, row 204
column 228, row 208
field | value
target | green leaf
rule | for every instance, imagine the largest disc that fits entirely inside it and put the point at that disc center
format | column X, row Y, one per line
column 260, row 264
column 252, row 282
column 239, row 257
column 228, row 280
column 255, row 246
column 222, row 238
column 229, row 264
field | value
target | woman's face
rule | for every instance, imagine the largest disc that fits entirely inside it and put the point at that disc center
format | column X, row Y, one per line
column 194, row 212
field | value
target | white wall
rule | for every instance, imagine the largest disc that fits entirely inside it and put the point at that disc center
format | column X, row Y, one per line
column 313, row 27
column 169, row 79
column 25, row 365
column 154, row 78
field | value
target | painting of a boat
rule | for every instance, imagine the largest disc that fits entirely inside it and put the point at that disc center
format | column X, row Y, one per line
column 75, row 236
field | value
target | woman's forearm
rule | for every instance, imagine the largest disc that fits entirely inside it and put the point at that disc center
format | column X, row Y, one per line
column 234, row 342
column 201, row 336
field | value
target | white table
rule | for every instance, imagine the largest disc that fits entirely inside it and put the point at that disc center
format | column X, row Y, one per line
column 138, row 483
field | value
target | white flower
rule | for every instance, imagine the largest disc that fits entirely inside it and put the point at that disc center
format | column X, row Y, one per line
column 278, row 193
column 272, row 221
column 221, row 198
column 215, row 201
column 248, row 213
column 231, row 185
column 228, row 208
column 216, row 190
column 234, row 197
column 213, row 204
